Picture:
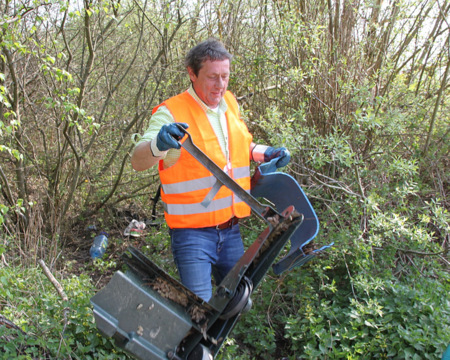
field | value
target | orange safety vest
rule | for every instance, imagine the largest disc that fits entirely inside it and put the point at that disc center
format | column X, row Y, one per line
column 186, row 184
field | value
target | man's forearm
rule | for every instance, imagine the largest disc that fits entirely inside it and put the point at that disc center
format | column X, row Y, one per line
column 143, row 158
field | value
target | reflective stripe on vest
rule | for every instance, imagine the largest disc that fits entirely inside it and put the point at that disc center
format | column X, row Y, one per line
column 201, row 184
column 193, row 209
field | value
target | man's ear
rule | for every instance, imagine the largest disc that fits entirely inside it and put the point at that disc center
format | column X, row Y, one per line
column 191, row 73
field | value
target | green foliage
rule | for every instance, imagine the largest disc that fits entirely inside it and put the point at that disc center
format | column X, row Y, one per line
column 231, row 350
column 29, row 300
column 354, row 108
column 382, row 291
column 387, row 319
column 320, row 317
column 157, row 248
column 260, row 336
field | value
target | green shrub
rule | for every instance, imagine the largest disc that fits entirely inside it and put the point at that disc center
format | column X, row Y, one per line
column 29, row 300
column 382, row 318
column 387, row 319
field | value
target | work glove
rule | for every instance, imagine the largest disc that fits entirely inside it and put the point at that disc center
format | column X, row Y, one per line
column 282, row 153
column 169, row 135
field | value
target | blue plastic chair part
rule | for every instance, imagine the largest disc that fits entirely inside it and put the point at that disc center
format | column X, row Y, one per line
column 446, row 354
column 282, row 190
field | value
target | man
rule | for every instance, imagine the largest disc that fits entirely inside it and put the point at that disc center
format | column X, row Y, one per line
column 205, row 237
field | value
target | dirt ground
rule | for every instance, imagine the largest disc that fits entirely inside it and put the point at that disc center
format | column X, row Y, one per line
column 113, row 222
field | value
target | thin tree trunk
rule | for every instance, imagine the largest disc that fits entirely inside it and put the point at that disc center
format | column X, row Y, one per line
column 436, row 104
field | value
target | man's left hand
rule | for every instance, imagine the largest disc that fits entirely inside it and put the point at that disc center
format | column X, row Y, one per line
column 282, row 153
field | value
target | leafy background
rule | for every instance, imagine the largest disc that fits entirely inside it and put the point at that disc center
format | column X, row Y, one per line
column 357, row 90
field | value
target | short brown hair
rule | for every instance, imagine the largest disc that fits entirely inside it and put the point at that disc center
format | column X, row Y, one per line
column 211, row 49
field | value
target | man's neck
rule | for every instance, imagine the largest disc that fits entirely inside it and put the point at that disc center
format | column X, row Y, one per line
column 215, row 109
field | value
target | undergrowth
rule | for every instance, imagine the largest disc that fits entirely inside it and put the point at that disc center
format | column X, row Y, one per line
column 353, row 302
column 50, row 328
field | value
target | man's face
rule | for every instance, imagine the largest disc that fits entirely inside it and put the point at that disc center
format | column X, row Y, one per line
column 212, row 81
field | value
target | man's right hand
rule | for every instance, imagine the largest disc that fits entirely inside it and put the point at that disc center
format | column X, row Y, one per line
column 169, row 135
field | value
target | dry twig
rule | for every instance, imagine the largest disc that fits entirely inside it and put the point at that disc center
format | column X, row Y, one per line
column 60, row 291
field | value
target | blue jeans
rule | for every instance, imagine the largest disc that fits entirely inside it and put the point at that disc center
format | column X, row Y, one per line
column 198, row 253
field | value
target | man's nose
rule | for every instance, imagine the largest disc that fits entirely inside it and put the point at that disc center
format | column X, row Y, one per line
column 220, row 82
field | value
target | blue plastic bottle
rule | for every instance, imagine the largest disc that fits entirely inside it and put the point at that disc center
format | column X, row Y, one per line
column 99, row 246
